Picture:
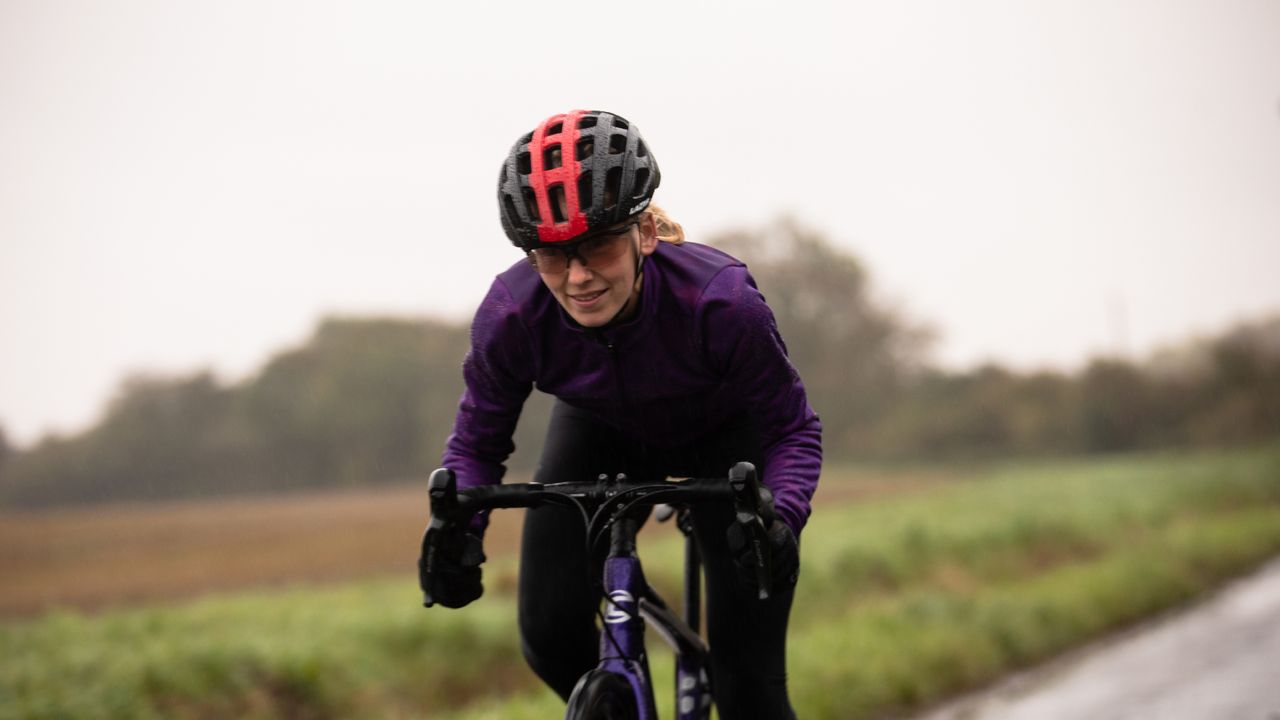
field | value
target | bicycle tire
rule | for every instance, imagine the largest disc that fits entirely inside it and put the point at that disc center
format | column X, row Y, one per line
column 602, row 695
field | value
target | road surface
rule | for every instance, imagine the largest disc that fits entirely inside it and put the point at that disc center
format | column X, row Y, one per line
column 1219, row 660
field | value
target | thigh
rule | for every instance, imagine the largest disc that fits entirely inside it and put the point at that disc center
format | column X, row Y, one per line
column 579, row 446
column 559, row 587
column 747, row 636
column 554, row 563
column 553, row 549
column 556, row 602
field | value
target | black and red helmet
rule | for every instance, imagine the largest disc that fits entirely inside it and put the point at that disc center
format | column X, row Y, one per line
column 577, row 172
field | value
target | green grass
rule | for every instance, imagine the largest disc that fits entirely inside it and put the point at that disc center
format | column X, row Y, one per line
column 367, row 648
column 904, row 599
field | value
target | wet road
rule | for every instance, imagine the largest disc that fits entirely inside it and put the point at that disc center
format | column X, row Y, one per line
column 1217, row 661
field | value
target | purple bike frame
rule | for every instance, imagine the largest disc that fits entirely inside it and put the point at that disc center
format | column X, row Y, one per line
column 622, row 637
column 622, row 649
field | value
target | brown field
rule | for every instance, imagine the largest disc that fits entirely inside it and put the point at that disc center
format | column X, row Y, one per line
column 90, row 558
column 93, row 557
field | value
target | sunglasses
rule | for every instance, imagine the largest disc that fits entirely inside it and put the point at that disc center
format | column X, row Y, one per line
column 596, row 251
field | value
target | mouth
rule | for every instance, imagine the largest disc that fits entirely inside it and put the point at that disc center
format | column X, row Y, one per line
column 587, row 299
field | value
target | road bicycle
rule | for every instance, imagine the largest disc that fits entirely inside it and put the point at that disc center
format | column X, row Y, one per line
column 619, row 687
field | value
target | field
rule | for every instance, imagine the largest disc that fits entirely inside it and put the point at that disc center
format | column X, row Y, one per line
column 90, row 559
column 916, row 585
column 103, row 557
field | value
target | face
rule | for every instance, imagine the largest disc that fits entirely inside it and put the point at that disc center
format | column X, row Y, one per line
column 593, row 290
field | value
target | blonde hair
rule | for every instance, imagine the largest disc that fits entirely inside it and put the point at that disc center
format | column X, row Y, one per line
column 668, row 230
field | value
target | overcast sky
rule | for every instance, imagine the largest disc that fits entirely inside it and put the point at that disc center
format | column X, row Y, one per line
column 189, row 185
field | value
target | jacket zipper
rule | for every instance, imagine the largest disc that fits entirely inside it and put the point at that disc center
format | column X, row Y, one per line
column 623, row 401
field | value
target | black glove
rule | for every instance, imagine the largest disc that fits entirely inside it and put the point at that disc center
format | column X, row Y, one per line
column 450, row 575
column 783, row 549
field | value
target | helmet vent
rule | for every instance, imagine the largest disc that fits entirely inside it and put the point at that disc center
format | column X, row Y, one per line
column 612, row 186
column 642, row 182
column 586, row 146
column 554, row 129
column 617, row 144
column 584, row 190
column 551, row 157
column 586, row 121
column 641, row 150
column 555, row 194
column 531, row 204
column 620, row 123
column 524, row 164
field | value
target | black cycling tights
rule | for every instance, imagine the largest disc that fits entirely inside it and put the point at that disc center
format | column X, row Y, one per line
column 559, row 586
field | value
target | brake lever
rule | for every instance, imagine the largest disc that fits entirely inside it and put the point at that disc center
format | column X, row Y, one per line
column 442, row 491
column 750, row 508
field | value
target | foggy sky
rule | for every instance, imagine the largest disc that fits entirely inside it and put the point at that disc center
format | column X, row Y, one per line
column 187, row 185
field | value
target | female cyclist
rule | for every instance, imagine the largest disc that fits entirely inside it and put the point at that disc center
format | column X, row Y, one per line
column 665, row 361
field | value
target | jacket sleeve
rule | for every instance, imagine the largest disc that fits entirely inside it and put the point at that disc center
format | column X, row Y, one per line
column 498, row 378
column 742, row 340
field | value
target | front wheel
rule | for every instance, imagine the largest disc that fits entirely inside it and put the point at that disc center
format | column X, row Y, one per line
column 602, row 695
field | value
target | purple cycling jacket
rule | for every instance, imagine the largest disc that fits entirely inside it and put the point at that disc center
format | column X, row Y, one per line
column 702, row 350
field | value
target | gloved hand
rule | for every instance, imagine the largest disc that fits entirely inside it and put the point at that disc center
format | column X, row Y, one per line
column 784, row 550
column 450, row 576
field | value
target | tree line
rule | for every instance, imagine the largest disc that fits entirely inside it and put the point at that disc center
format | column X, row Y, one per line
column 371, row 400
column 868, row 375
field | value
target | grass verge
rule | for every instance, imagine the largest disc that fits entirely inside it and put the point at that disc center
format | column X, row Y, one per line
column 905, row 599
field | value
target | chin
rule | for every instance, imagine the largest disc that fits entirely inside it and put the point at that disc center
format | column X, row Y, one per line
column 593, row 320
column 595, row 317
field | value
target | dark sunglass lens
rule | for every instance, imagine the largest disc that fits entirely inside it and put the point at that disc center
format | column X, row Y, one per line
column 548, row 261
column 603, row 248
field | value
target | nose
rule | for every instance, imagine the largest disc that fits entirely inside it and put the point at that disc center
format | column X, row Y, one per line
column 578, row 271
